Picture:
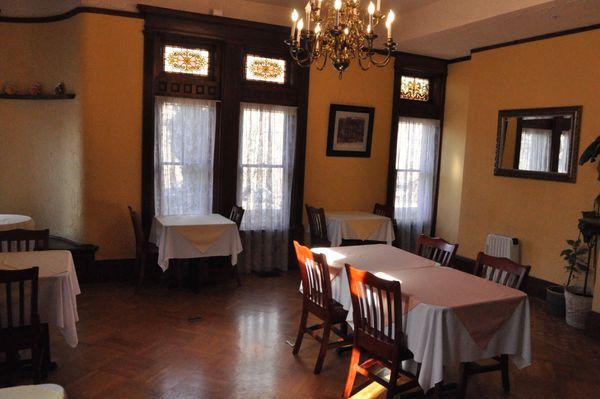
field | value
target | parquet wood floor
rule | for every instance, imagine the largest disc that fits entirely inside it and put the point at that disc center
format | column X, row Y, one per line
column 143, row 346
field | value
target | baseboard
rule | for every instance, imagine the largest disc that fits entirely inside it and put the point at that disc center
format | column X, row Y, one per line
column 592, row 325
column 106, row 270
column 535, row 287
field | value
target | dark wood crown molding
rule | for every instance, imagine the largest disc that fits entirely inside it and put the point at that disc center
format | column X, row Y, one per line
column 71, row 13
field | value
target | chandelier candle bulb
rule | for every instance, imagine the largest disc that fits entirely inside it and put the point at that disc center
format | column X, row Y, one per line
column 308, row 10
column 294, row 20
column 337, row 5
column 299, row 30
column 378, row 5
column 388, row 23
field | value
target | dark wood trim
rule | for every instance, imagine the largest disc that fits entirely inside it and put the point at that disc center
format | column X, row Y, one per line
column 459, row 59
column 68, row 96
column 71, row 13
column 435, row 70
column 592, row 325
column 536, row 38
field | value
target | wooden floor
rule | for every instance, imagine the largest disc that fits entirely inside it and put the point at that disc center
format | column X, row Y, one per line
column 143, row 346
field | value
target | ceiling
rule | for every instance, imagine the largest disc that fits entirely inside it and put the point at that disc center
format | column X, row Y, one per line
column 441, row 28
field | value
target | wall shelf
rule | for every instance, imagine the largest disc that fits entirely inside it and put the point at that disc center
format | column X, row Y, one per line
column 66, row 96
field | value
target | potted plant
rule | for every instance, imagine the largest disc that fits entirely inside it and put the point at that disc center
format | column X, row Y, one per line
column 578, row 298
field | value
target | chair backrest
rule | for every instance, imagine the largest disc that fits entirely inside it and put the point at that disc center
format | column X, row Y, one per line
column 24, row 240
column 501, row 270
column 12, row 315
column 316, row 282
column 383, row 210
column 436, row 249
column 377, row 311
column 318, row 225
column 138, row 230
column 236, row 215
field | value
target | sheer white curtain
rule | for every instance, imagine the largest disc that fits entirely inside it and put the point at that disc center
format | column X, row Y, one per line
column 416, row 166
column 184, row 137
column 535, row 149
column 563, row 153
column 266, row 164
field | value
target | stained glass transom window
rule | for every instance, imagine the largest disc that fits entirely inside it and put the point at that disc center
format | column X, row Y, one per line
column 265, row 69
column 193, row 61
column 412, row 88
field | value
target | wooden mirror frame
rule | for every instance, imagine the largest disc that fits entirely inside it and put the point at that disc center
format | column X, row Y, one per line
column 571, row 174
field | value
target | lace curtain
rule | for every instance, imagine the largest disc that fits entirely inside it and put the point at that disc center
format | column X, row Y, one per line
column 183, row 155
column 266, row 164
column 535, row 150
column 416, row 166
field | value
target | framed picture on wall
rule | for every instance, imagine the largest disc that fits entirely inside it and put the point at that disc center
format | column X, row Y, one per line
column 350, row 131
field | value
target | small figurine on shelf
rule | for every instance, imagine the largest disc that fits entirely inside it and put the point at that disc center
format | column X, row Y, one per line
column 60, row 89
column 35, row 89
column 10, row 89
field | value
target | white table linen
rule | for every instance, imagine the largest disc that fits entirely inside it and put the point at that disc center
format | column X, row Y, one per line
column 435, row 335
column 340, row 226
column 41, row 391
column 11, row 222
column 174, row 236
column 57, row 288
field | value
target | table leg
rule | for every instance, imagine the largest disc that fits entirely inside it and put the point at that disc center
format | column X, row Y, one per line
column 437, row 391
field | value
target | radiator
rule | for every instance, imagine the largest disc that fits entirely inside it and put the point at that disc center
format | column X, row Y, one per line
column 503, row 247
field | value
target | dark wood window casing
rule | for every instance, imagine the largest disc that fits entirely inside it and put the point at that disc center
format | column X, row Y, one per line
column 228, row 42
column 435, row 71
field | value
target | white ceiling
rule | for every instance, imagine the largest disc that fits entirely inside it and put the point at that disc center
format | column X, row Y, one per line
column 440, row 28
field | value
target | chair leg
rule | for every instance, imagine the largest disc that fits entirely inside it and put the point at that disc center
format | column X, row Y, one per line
column 504, row 369
column 344, row 329
column 351, row 372
column 236, row 273
column 324, row 345
column 462, row 381
column 46, row 357
column 391, row 389
column 142, row 265
column 36, row 362
column 301, row 330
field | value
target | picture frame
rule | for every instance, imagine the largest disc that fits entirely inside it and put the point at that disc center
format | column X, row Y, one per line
column 350, row 131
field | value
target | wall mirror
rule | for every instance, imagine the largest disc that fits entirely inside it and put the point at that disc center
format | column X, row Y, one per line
column 540, row 143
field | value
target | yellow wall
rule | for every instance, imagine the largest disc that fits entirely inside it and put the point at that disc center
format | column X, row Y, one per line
column 555, row 72
column 40, row 141
column 74, row 165
column 453, row 151
column 342, row 183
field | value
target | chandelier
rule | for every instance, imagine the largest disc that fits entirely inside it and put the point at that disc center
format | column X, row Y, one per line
column 336, row 30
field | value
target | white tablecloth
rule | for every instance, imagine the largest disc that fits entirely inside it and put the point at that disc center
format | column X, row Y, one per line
column 41, row 391
column 345, row 225
column 194, row 236
column 57, row 289
column 435, row 335
column 11, row 222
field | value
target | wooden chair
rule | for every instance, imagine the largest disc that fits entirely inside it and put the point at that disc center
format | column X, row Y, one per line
column 505, row 272
column 436, row 249
column 24, row 240
column 377, row 316
column 316, row 287
column 387, row 211
column 237, row 213
column 318, row 227
column 20, row 331
column 144, row 250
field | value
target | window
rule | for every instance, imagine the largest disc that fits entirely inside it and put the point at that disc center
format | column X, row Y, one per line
column 192, row 61
column 266, row 163
column 412, row 88
column 416, row 160
column 183, row 156
column 265, row 69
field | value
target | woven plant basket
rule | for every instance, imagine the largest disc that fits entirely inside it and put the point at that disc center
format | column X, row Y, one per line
column 577, row 308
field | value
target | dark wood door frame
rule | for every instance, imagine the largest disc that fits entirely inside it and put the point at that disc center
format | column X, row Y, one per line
column 435, row 70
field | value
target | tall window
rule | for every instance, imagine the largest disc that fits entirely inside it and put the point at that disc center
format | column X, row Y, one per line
column 266, row 163
column 416, row 165
column 183, row 155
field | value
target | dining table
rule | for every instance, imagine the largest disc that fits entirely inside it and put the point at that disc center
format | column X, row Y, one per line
column 11, row 222
column 58, row 287
column 449, row 317
column 358, row 225
column 194, row 236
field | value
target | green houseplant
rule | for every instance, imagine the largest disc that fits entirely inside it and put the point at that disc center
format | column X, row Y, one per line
column 578, row 297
